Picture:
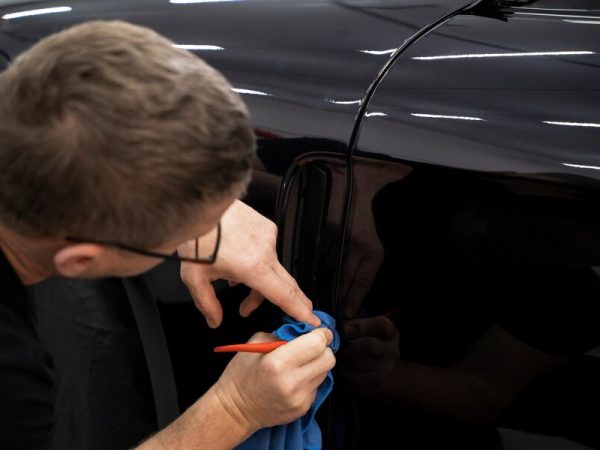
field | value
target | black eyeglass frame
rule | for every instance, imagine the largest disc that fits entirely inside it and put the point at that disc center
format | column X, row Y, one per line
column 173, row 257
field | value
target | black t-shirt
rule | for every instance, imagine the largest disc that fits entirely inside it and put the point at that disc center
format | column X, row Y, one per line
column 26, row 382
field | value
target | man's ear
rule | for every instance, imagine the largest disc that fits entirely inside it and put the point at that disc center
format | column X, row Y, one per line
column 75, row 260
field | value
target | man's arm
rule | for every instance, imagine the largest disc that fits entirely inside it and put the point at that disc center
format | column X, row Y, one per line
column 205, row 425
column 255, row 391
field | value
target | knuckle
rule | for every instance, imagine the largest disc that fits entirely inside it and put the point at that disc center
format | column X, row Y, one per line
column 292, row 290
column 300, row 399
column 200, row 306
column 330, row 359
column 272, row 366
column 322, row 377
column 260, row 336
column 316, row 341
column 271, row 230
column 260, row 268
column 305, row 406
column 287, row 390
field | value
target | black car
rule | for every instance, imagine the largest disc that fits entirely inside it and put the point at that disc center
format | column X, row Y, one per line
column 434, row 170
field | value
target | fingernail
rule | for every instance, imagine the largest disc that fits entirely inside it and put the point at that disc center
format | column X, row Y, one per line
column 211, row 323
column 317, row 320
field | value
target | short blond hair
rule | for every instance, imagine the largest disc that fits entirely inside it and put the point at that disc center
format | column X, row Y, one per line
column 109, row 131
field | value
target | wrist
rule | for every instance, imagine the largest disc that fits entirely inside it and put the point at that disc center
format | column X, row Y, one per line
column 209, row 424
column 231, row 408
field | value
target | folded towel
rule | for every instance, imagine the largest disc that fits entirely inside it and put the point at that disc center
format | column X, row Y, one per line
column 303, row 433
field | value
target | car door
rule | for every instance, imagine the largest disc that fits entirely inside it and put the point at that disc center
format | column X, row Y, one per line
column 469, row 267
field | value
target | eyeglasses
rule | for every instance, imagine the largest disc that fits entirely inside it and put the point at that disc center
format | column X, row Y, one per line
column 173, row 257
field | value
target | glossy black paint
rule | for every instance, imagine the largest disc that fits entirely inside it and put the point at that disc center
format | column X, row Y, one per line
column 473, row 234
column 478, row 152
column 301, row 65
column 506, row 95
column 517, row 92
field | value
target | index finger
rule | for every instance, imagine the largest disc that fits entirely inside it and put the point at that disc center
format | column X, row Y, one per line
column 280, row 288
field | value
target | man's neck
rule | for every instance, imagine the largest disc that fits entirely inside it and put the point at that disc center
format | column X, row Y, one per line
column 31, row 262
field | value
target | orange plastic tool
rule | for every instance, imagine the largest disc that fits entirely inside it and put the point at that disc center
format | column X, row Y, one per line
column 254, row 347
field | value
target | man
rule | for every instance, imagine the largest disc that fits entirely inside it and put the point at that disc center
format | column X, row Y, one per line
column 117, row 148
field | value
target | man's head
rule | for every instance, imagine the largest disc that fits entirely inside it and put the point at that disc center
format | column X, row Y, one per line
column 109, row 132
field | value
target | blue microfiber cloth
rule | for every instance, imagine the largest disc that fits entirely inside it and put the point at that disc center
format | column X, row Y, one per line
column 303, row 433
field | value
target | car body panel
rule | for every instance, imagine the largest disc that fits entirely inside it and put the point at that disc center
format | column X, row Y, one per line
column 474, row 218
column 425, row 164
column 300, row 65
column 506, row 90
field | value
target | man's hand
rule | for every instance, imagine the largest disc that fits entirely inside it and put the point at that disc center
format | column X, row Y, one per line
column 255, row 391
column 266, row 390
column 247, row 255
